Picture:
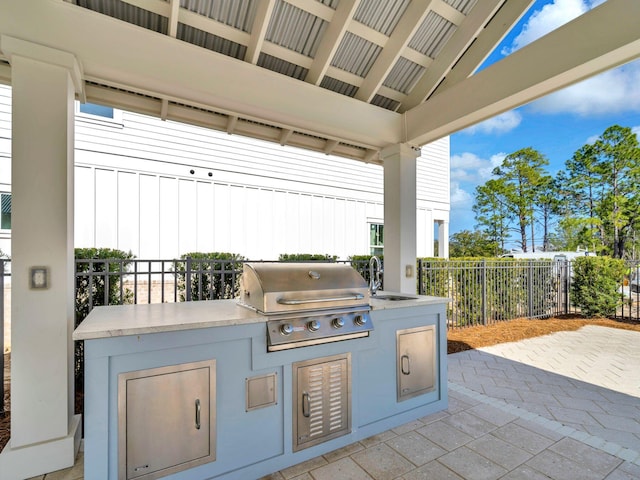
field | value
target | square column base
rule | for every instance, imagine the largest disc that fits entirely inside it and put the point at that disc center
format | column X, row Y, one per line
column 41, row 458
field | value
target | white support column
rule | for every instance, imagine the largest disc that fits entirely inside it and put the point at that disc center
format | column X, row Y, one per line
column 400, row 218
column 443, row 239
column 45, row 433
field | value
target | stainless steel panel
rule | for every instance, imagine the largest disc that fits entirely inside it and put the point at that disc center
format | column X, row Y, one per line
column 322, row 400
column 261, row 391
column 416, row 361
column 166, row 420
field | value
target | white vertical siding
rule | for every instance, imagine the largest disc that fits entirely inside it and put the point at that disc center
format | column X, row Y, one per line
column 149, row 205
column 204, row 220
column 106, row 212
column 169, row 218
column 162, row 189
column 128, row 212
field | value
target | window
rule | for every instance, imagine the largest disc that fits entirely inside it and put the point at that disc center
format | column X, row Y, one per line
column 5, row 211
column 376, row 238
column 97, row 110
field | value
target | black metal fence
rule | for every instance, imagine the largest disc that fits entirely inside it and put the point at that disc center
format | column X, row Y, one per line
column 481, row 291
column 487, row 291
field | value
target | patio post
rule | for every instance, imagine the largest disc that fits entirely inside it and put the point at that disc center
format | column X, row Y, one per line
column 400, row 243
column 45, row 433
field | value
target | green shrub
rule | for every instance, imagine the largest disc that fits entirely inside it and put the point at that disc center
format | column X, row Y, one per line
column 211, row 276
column 98, row 281
column 595, row 285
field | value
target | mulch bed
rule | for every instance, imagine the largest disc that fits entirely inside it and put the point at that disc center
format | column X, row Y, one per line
column 458, row 340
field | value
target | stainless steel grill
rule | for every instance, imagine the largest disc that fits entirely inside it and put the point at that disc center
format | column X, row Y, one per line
column 307, row 303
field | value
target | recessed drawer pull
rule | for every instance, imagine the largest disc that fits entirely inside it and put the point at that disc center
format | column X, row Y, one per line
column 197, row 413
column 404, row 360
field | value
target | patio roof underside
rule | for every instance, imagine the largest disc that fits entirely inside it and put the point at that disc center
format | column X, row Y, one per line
column 347, row 77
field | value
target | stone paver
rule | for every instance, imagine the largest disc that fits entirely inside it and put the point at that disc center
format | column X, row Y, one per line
column 565, row 406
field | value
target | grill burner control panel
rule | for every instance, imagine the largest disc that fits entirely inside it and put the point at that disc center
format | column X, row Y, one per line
column 299, row 331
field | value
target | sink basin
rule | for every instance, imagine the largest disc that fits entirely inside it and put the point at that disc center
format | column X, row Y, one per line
column 393, row 298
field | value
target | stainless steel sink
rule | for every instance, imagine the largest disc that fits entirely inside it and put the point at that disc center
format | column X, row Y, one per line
column 394, row 298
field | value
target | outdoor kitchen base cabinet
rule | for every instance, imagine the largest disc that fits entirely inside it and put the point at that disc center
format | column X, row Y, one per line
column 150, row 381
column 322, row 400
column 166, row 419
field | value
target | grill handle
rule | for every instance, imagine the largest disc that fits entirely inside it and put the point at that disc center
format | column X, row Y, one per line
column 302, row 301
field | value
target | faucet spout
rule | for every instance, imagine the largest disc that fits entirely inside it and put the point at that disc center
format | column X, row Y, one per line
column 375, row 271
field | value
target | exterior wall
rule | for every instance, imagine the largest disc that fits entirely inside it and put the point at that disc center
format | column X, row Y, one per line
column 162, row 189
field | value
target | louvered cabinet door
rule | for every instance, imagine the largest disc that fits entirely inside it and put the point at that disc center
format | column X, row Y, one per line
column 322, row 400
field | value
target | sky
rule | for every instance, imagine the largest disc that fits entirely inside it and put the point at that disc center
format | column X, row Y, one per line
column 556, row 125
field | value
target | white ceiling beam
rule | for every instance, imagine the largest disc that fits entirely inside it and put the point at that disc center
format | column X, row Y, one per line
column 447, row 12
column 195, row 76
column 491, row 35
column 601, row 39
column 368, row 33
column 402, row 34
column 331, row 40
column 314, row 8
column 173, row 18
column 232, row 124
column 164, row 109
column 159, row 7
column 259, row 30
column 286, row 54
column 209, row 25
column 459, row 41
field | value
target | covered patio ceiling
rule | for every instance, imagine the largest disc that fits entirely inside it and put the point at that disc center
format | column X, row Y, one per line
column 347, row 77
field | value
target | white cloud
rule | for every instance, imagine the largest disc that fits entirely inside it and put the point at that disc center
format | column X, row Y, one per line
column 547, row 19
column 611, row 92
column 505, row 122
column 636, row 130
column 470, row 168
column 460, row 198
column 614, row 91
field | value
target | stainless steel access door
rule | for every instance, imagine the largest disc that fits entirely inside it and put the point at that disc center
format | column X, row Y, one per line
column 166, row 420
column 322, row 400
column 416, row 361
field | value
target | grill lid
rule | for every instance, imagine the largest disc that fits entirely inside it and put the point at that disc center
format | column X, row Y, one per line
column 286, row 287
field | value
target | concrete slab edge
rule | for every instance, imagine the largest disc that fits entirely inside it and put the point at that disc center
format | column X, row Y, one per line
column 606, row 446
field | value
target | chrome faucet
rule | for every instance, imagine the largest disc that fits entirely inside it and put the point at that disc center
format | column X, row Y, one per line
column 375, row 266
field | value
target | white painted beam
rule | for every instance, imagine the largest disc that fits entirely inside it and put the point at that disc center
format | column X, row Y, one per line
column 119, row 54
column 458, row 43
column 487, row 40
column 331, row 40
column 259, row 30
column 402, row 34
column 601, row 39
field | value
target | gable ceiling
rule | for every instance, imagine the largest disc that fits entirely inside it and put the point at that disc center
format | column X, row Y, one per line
column 347, row 77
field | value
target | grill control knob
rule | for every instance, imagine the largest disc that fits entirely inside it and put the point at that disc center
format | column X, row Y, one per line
column 286, row 329
column 360, row 320
column 338, row 322
column 313, row 325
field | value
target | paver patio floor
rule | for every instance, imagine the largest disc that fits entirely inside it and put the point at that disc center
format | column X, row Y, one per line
column 565, row 406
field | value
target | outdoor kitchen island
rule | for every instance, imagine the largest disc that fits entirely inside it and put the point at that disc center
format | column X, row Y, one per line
column 190, row 390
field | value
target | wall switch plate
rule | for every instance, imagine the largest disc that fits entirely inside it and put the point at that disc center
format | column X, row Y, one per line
column 39, row 278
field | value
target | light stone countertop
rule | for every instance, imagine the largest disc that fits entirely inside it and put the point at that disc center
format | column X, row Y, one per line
column 122, row 320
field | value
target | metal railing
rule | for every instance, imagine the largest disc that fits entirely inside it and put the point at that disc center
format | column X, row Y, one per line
column 485, row 291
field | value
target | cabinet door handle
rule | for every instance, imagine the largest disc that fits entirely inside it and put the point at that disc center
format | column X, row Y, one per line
column 306, row 405
column 197, row 414
column 404, row 359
